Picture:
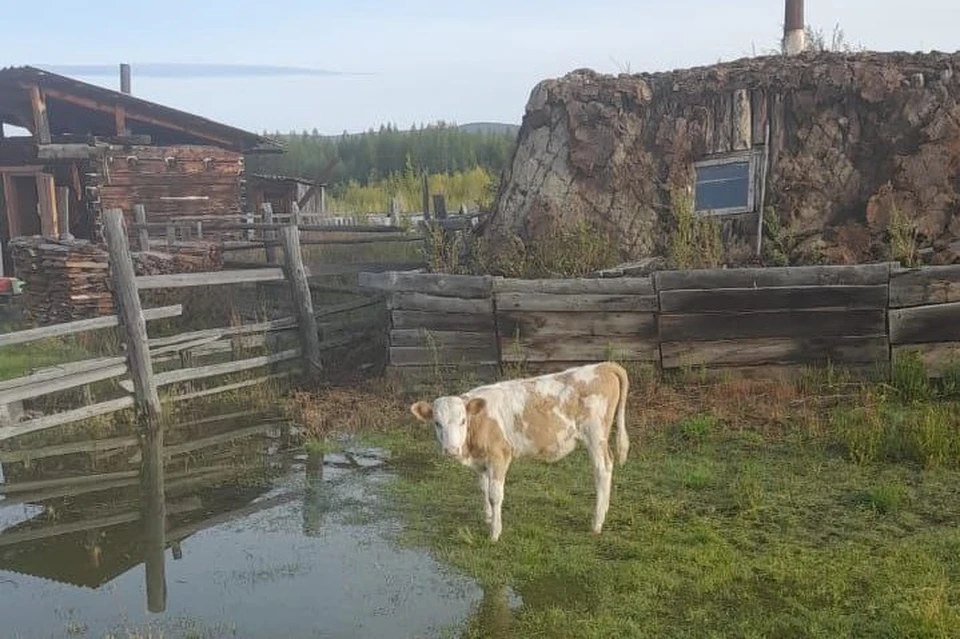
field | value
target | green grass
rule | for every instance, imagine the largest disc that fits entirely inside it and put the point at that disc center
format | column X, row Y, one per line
column 20, row 359
column 710, row 533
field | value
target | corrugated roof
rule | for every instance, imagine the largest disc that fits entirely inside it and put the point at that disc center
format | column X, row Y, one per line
column 93, row 100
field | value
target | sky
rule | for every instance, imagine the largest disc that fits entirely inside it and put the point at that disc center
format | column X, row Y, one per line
column 415, row 61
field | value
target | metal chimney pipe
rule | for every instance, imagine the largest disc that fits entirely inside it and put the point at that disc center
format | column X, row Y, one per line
column 124, row 78
column 794, row 36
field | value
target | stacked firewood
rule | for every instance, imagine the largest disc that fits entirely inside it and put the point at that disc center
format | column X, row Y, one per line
column 190, row 257
column 66, row 280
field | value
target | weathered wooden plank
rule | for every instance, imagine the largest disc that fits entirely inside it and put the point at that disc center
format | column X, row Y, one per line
column 80, row 326
column 939, row 358
column 925, row 285
column 586, row 349
column 925, row 324
column 61, row 370
column 785, row 372
column 437, row 304
column 775, row 350
column 773, row 298
column 425, row 356
column 462, row 286
column 282, row 324
column 577, row 286
column 216, row 278
column 417, row 375
column 417, row 337
column 66, row 417
column 212, row 370
column 345, row 307
column 57, row 384
column 225, row 388
column 802, row 323
column 72, row 448
column 12, row 538
column 133, row 326
column 575, row 324
column 541, row 302
column 443, row 321
column 859, row 275
column 302, row 299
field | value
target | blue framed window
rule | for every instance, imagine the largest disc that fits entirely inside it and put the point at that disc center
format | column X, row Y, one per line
column 726, row 185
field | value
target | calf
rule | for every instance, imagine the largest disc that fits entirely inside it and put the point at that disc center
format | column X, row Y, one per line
column 539, row 417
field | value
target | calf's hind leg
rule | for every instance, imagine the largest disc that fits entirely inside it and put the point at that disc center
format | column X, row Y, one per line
column 602, row 463
column 485, row 489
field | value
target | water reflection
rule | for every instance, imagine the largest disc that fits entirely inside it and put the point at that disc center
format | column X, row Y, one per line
column 87, row 528
column 246, row 520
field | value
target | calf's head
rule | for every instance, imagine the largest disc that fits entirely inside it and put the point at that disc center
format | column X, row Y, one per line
column 450, row 417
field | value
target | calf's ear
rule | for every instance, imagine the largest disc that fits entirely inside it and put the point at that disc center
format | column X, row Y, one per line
column 475, row 405
column 422, row 411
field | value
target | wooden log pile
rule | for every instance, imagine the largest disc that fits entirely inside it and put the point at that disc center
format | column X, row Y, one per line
column 67, row 280
column 64, row 280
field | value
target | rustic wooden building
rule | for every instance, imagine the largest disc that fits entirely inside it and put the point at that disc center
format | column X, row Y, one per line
column 92, row 149
column 282, row 191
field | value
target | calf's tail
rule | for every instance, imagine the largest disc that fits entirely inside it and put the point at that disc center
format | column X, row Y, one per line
column 623, row 441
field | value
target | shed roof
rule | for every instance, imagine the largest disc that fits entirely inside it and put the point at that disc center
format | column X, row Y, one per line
column 82, row 109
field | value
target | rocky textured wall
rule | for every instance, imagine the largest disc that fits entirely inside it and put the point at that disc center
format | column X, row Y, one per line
column 853, row 137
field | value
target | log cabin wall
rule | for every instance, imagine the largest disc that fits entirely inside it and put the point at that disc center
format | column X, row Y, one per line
column 169, row 181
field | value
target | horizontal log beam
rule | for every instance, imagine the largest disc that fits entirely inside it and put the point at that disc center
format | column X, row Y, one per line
column 575, row 324
column 926, row 285
column 578, row 286
column 860, row 275
column 925, row 324
column 462, row 286
column 805, row 323
column 46, row 386
column 541, row 302
column 80, row 326
column 773, row 298
column 226, row 368
column 586, row 349
column 437, row 304
column 66, row 417
column 216, row 278
column 777, row 350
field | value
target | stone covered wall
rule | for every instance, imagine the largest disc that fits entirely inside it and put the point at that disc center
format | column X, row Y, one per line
column 853, row 137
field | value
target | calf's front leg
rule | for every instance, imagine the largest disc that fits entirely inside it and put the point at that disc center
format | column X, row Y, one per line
column 485, row 489
column 498, row 475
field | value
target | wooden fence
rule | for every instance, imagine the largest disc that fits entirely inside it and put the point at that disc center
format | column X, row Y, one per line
column 320, row 331
column 756, row 321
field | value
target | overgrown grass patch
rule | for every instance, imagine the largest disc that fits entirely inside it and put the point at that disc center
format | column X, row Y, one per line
column 740, row 512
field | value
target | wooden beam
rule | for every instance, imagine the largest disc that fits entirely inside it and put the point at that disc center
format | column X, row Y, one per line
column 303, row 301
column 11, row 199
column 41, row 124
column 185, row 280
column 66, row 417
column 80, row 326
column 63, row 211
column 75, row 151
column 31, row 389
column 133, row 115
column 47, row 199
column 226, row 368
column 127, row 301
column 143, row 235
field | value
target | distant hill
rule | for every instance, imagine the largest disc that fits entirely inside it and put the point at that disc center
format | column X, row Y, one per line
column 490, row 127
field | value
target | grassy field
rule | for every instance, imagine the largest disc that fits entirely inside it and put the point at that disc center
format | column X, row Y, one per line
column 747, row 509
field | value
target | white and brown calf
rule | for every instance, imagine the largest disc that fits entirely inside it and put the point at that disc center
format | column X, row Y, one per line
column 538, row 417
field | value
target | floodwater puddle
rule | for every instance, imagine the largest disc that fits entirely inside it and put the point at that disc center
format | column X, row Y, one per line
column 259, row 541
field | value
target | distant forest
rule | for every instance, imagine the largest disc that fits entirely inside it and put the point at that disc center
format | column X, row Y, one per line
column 374, row 155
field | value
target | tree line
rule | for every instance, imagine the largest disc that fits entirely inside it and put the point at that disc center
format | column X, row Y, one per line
column 373, row 156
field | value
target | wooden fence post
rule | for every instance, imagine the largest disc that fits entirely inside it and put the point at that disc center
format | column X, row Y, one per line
column 154, row 509
column 425, row 195
column 269, row 236
column 306, row 320
column 171, row 234
column 143, row 235
column 127, row 300
column 295, row 214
